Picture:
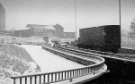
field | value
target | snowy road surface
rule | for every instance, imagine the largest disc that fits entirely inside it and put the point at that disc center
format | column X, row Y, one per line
column 49, row 62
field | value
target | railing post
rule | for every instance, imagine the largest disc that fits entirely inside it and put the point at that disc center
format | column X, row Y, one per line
column 44, row 78
column 76, row 73
column 79, row 72
column 48, row 78
column 30, row 80
column 35, row 79
column 61, row 75
column 82, row 72
column 88, row 70
column 73, row 73
column 93, row 71
column 14, row 80
column 70, row 74
column 20, row 80
column 51, row 77
column 55, row 77
column 58, row 76
column 40, row 79
column 65, row 75
column 25, row 80
column 85, row 71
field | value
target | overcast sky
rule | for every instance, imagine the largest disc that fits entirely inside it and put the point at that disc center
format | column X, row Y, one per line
column 89, row 12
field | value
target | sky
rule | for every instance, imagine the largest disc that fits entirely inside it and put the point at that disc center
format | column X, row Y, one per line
column 88, row 13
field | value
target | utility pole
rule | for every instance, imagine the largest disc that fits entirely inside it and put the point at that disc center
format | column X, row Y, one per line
column 75, row 19
column 119, row 3
column 120, row 13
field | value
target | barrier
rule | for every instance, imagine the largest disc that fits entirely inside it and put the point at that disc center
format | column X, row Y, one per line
column 52, row 77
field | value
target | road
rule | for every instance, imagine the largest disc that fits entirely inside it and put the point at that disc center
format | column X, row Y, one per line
column 49, row 62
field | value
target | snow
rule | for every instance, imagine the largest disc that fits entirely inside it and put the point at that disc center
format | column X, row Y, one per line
column 49, row 62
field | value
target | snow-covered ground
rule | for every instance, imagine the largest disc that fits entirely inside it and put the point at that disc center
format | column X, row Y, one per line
column 49, row 62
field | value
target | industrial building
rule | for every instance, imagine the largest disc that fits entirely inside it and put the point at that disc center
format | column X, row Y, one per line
column 104, row 38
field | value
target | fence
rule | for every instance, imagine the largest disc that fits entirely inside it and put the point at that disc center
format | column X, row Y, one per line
column 52, row 77
column 56, row 76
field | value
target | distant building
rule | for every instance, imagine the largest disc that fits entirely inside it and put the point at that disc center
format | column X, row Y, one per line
column 37, row 27
column 2, row 17
column 23, row 33
column 59, row 30
column 48, row 32
column 41, row 30
column 69, row 35
column 51, row 30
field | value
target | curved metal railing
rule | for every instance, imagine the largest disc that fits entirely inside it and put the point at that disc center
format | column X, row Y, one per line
column 94, row 70
column 103, row 54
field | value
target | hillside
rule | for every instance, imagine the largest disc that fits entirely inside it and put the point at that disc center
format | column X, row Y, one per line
column 16, row 51
column 15, row 60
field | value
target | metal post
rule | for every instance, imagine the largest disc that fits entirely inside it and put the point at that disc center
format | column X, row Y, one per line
column 65, row 73
column 40, row 79
column 14, row 82
column 20, row 80
column 55, row 77
column 25, row 80
column 51, row 77
column 48, row 78
column 61, row 75
column 30, row 80
column 120, row 17
column 35, row 79
column 75, row 17
column 120, row 12
column 44, row 78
